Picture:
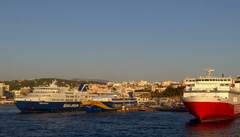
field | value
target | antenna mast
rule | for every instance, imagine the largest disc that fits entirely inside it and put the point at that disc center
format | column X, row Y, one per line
column 208, row 70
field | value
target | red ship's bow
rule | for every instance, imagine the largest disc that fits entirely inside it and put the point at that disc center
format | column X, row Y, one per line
column 206, row 108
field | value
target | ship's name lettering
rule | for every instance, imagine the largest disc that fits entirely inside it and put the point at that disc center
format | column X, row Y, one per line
column 70, row 105
column 236, row 109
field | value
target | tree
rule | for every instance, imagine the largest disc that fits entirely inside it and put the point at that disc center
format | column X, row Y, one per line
column 170, row 92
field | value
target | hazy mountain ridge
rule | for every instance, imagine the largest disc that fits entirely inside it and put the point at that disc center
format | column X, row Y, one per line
column 96, row 80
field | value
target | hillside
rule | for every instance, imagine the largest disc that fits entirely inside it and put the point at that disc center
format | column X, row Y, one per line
column 17, row 84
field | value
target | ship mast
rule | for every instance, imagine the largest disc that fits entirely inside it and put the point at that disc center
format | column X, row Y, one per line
column 208, row 70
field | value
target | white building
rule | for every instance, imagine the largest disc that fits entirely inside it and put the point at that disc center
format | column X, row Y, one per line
column 3, row 90
column 142, row 83
column 16, row 93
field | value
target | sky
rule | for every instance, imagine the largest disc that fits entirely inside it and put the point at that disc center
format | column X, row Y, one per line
column 119, row 40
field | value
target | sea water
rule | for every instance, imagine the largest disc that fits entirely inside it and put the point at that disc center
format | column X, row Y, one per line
column 133, row 124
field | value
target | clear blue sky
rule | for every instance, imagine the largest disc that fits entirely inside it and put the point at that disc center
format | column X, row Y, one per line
column 120, row 40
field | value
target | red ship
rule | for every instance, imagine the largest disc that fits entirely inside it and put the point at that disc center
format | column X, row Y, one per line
column 212, row 98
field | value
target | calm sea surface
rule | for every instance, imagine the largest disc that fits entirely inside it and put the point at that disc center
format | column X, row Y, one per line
column 134, row 124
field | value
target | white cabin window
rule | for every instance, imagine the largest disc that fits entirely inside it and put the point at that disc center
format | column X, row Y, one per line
column 235, row 99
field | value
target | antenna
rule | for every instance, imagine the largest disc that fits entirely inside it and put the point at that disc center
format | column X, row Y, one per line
column 208, row 70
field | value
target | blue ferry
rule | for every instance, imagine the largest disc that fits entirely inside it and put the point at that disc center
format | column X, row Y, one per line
column 54, row 99
column 106, row 103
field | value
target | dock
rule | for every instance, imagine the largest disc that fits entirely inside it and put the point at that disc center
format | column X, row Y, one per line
column 134, row 109
column 128, row 109
column 6, row 102
column 172, row 109
column 147, row 109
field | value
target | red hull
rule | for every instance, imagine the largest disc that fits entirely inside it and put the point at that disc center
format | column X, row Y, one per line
column 213, row 110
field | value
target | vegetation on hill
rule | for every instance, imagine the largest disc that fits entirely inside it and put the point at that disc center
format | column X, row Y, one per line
column 169, row 92
column 17, row 84
column 143, row 90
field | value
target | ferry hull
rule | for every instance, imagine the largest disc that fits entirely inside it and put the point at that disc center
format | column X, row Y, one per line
column 100, row 106
column 210, row 111
column 38, row 107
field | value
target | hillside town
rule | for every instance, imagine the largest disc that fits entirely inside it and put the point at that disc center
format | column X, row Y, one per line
column 141, row 90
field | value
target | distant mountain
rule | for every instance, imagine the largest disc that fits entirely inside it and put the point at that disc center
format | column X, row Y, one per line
column 96, row 80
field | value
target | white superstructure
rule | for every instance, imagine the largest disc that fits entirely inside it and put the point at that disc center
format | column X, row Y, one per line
column 53, row 93
column 212, row 87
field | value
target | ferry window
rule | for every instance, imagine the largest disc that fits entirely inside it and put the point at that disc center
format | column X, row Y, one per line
column 225, row 80
column 206, row 79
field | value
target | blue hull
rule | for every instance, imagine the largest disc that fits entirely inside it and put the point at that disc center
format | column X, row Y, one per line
column 36, row 107
column 94, row 107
